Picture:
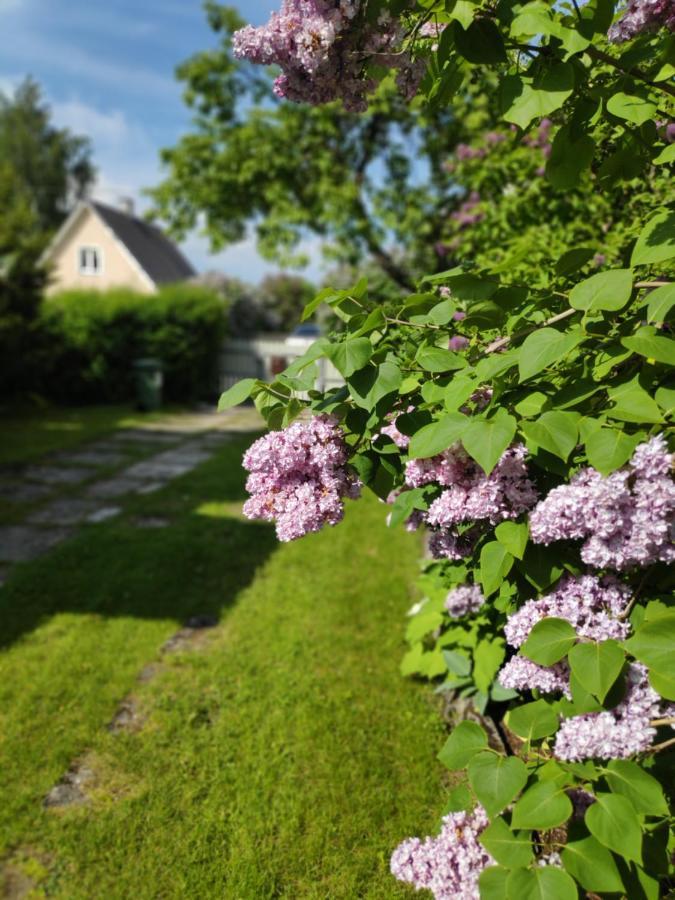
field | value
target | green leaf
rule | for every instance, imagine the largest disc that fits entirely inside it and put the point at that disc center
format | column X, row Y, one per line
column 608, row 449
column 613, row 821
column 555, row 431
column 643, row 790
column 523, row 101
column 667, row 155
column 323, row 296
column 350, row 356
column 541, row 883
column 513, row 536
column 495, row 565
column 573, row 260
column 631, row 108
column 466, row 740
column 606, row 290
column 404, row 504
column 661, row 301
column 481, row 43
column 496, row 779
column 544, row 805
column 596, row 666
column 665, row 397
column 370, row 384
column 487, row 658
column 492, row 883
column 549, row 641
column 486, row 439
column 592, row 865
column 239, row 392
column 436, row 359
column 507, row 848
column 657, row 240
column 438, row 436
column 457, row 662
column 570, row 155
column 532, row 721
column 458, row 392
column 633, row 404
column 543, row 348
column 653, row 644
column 647, row 343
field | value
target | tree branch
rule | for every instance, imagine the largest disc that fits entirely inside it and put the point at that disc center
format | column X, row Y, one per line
column 601, row 56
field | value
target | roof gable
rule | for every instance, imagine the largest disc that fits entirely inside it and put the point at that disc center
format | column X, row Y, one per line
column 159, row 258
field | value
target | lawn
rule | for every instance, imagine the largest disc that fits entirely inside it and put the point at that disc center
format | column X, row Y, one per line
column 280, row 755
column 28, row 432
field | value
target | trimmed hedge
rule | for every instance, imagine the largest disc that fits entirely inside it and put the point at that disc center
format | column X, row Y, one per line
column 89, row 340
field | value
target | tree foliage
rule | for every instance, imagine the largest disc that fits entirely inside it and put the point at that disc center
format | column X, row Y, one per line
column 51, row 165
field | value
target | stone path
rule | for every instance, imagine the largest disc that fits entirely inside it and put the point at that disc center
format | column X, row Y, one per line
column 89, row 484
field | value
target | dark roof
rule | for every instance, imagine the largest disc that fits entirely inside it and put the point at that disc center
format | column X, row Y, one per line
column 154, row 252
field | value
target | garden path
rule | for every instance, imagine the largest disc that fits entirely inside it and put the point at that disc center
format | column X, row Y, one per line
column 49, row 500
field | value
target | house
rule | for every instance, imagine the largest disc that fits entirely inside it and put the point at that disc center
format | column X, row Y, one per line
column 101, row 247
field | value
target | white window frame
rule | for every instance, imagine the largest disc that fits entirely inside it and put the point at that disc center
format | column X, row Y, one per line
column 89, row 270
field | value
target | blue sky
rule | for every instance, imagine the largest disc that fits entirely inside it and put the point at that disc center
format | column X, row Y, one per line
column 108, row 71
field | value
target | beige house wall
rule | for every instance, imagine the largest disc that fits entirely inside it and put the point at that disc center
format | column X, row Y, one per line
column 118, row 268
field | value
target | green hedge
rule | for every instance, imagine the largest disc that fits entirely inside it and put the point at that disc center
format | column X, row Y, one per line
column 89, row 340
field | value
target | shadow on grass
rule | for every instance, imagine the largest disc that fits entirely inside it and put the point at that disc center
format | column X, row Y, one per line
column 196, row 565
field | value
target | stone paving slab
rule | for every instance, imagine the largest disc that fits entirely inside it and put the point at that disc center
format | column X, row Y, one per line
column 103, row 514
column 92, row 457
column 56, row 476
column 24, row 491
column 147, row 436
column 185, row 455
column 68, row 511
column 21, row 543
column 112, row 488
column 158, row 471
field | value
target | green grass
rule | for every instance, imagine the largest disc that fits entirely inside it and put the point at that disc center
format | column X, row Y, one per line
column 30, row 432
column 284, row 757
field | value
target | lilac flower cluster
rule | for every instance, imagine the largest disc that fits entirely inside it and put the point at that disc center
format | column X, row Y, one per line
column 521, row 674
column 626, row 518
column 463, row 600
column 322, row 47
column 614, row 733
column 298, row 477
column 448, row 865
column 468, row 213
column 541, row 140
column 642, row 15
column 591, row 605
column 470, row 495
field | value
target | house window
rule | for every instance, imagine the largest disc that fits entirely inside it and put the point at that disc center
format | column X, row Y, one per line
column 90, row 261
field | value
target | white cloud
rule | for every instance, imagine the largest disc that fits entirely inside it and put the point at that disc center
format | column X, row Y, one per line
column 108, row 128
column 65, row 57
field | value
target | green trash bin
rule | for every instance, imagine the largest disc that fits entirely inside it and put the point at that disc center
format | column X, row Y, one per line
column 149, row 383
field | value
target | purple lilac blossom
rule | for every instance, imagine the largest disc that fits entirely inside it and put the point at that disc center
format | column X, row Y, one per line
column 322, row 47
column 642, row 15
column 448, row 865
column 465, row 599
column 614, row 733
column 521, row 674
column 298, row 477
column 626, row 519
column 458, row 343
column 469, row 213
column 471, row 495
column 590, row 604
